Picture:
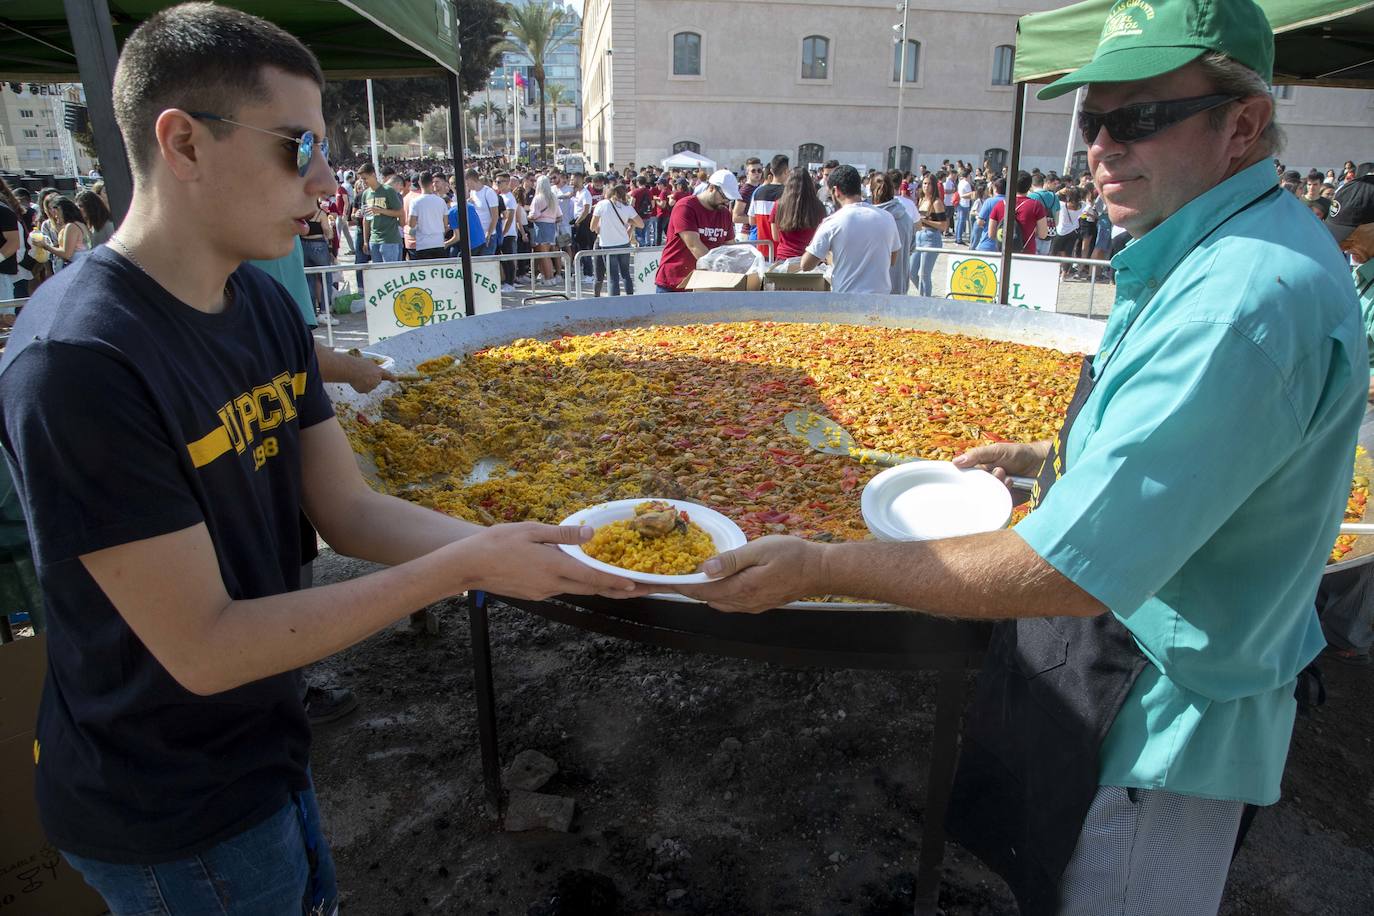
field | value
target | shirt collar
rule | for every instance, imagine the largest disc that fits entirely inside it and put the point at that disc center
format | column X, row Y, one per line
column 1160, row 251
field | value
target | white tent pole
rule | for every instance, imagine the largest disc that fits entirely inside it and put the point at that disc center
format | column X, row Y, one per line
column 1073, row 130
column 372, row 128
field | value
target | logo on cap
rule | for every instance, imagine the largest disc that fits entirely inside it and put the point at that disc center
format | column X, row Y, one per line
column 1122, row 21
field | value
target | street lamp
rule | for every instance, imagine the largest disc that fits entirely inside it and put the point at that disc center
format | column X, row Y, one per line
column 901, row 82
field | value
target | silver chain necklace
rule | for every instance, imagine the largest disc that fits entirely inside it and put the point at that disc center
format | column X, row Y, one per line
column 228, row 289
column 127, row 253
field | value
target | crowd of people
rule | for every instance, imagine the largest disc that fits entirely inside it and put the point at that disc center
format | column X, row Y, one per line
column 409, row 210
column 40, row 237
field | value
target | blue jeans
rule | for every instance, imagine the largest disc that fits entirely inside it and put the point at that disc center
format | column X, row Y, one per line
column 360, row 255
column 979, row 230
column 386, row 252
column 316, row 252
column 923, row 262
column 960, row 223
column 492, row 243
column 264, row 871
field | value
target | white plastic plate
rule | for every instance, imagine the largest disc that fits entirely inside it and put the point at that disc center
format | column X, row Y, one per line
column 926, row 500
column 724, row 533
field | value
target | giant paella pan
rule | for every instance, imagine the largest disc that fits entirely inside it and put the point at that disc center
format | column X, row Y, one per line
column 555, row 407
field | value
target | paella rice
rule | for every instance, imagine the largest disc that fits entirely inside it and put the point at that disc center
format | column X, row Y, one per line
column 676, row 552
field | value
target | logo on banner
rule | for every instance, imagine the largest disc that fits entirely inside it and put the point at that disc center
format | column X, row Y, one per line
column 414, row 307
column 973, row 279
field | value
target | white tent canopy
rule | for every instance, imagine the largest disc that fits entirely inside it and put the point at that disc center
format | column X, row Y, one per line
column 689, row 160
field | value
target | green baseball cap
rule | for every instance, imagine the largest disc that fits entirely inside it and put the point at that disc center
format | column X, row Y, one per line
column 1145, row 38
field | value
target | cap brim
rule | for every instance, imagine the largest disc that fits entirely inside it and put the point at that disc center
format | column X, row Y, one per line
column 1339, row 231
column 1122, row 66
column 726, row 191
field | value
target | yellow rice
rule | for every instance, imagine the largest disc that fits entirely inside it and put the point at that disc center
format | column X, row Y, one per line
column 678, row 553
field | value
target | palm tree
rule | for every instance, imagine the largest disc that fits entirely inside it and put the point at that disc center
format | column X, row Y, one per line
column 558, row 96
column 535, row 30
column 475, row 114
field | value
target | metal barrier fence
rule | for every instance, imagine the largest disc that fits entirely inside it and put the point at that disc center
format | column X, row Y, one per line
column 1094, row 266
column 561, row 256
column 632, row 250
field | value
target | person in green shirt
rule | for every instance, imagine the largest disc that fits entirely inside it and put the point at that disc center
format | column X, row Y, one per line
column 1156, row 605
column 381, row 215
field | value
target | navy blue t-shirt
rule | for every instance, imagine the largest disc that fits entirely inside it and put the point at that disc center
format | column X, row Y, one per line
column 127, row 414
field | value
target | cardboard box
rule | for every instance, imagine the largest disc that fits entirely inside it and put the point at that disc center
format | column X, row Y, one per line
column 715, row 281
column 812, row 281
column 34, row 878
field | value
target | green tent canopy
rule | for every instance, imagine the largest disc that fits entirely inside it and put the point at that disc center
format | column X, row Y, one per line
column 1316, row 42
column 351, row 38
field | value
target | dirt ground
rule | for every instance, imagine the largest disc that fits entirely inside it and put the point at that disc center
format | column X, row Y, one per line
column 708, row 785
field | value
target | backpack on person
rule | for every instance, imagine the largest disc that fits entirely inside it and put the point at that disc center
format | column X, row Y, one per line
column 1011, row 228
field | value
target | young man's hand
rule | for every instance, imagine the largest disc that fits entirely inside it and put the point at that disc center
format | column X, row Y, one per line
column 522, row 560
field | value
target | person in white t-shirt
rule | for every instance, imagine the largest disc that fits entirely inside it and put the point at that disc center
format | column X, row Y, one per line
column 429, row 217
column 510, row 230
column 963, row 203
column 612, row 221
column 861, row 240
column 484, row 201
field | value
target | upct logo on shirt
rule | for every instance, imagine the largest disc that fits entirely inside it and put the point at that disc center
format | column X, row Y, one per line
column 261, row 408
column 1125, row 20
column 714, row 233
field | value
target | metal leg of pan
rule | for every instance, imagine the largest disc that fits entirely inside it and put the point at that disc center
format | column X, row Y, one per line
column 949, row 706
column 486, row 699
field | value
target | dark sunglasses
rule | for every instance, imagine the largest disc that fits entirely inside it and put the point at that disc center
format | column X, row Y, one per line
column 305, row 143
column 1131, row 123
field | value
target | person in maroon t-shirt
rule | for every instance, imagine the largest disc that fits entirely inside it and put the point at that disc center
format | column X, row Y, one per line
column 1031, row 216
column 642, row 199
column 698, row 224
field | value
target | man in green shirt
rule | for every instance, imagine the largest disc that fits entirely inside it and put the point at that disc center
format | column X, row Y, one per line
column 1157, row 603
column 381, row 215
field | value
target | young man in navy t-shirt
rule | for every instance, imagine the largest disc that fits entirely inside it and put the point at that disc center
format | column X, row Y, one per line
column 162, row 413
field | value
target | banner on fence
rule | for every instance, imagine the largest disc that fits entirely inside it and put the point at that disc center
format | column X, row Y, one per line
column 414, row 294
column 1034, row 284
column 644, row 267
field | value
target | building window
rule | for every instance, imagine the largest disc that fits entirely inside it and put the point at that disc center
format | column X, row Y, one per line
column 50, row 133
column 686, row 146
column 686, row 54
column 31, row 133
column 26, row 112
column 808, row 153
column 1002, row 57
column 815, row 58
column 913, row 56
column 996, row 159
column 905, row 164
column 1079, row 164
column 1283, row 92
column 31, row 153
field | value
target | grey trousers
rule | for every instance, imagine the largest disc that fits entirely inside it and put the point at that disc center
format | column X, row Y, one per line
column 1148, row 852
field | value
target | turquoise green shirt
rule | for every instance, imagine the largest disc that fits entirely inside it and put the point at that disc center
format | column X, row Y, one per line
column 1207, row 474
column 289, row 271
column 1364, row 288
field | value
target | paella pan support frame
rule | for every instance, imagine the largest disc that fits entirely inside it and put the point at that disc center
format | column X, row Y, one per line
column 879, row 639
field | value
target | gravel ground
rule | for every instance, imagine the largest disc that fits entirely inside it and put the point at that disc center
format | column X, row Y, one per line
column 707, row 785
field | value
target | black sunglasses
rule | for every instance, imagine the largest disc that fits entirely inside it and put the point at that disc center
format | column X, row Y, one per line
column 305, row 143
column 1130, row 123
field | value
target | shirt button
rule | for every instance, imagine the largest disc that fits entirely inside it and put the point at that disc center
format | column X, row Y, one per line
column 1153, row 284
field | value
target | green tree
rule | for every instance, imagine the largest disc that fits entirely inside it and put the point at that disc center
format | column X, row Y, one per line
column 535, row 30
column 559, row 97
column 410, row 98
